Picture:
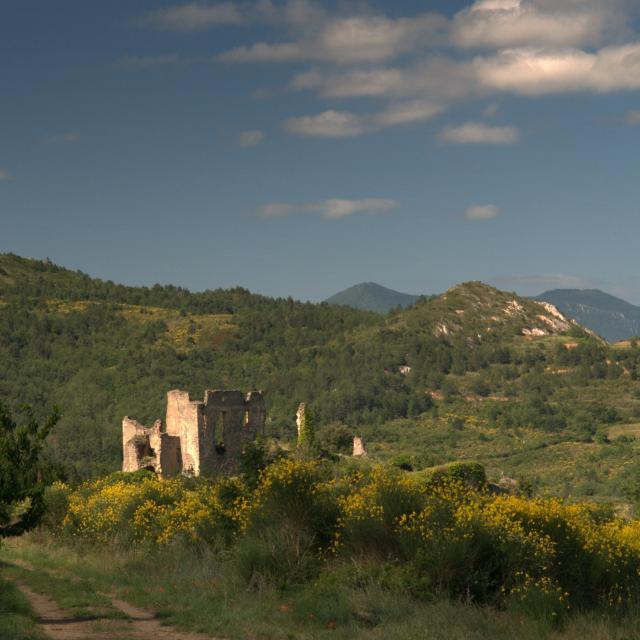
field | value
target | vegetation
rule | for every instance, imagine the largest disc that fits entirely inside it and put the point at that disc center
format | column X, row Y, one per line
column 436, row 534
column 22, row 476
column 315, row 548
column 537, row 415
column 17, row 620
column 559, row 412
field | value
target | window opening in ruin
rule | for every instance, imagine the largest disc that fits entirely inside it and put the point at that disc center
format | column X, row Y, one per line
column 220, row 444
column 143, row 449
column 245, row 421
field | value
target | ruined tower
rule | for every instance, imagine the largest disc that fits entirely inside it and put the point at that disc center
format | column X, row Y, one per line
column 199, row 436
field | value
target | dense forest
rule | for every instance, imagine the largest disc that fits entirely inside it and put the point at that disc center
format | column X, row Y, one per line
column 100, row 350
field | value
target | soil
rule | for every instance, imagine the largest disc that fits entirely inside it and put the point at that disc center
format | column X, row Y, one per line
column 138, row 625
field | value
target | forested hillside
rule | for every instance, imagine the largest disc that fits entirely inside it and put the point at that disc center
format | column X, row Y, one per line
column 100, row 350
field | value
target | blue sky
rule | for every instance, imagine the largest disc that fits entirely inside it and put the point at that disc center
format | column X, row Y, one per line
column 297, row 147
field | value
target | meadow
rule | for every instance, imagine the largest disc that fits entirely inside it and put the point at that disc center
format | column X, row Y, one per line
column 309, row 549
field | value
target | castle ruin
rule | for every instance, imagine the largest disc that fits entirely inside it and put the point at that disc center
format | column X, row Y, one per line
column 200, row 437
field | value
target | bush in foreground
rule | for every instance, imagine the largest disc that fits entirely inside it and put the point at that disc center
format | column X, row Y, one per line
column 424, row 536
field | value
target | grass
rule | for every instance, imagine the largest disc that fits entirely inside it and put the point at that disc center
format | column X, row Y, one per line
column 76, row 595
column 17, row 620
column 184, row 332
column 200, row 591
column 557, row 463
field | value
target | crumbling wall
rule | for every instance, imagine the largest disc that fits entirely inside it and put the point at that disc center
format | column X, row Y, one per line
column 185, row 420
column 141, row 445
column 200, row 437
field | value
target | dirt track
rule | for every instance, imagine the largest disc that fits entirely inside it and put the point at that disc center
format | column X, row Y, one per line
column 138, row 625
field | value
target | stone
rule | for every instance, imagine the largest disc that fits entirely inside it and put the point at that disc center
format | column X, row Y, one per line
column 201, row 437
column 359, row 448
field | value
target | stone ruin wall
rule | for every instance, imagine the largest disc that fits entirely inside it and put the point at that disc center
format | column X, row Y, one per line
column 200, row 436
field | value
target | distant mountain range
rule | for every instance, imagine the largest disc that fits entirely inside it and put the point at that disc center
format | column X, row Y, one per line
column 372, row 297
column 612, row 318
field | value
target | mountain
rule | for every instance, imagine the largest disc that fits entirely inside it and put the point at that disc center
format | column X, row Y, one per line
column 372, row 297
column 612, row 318
column 473, row 372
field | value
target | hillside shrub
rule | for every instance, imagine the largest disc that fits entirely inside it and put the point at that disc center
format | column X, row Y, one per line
column 468, row 473
column 427, row 535
column 140, row 508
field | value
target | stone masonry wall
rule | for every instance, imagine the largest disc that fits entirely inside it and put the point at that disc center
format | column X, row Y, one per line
column 200, row 437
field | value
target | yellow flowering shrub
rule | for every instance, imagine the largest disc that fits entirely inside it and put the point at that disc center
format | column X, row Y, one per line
column 443, row 536
column 371, row 512
column 143, row 508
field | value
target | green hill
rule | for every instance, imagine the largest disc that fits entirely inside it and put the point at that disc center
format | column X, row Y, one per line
column 612, row 318
column 475, row 373
column 372, row 297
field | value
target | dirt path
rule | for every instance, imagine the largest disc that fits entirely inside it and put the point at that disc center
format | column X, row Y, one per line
column 139, row 625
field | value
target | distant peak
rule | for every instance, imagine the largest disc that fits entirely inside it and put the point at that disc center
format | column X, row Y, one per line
column 372, row 296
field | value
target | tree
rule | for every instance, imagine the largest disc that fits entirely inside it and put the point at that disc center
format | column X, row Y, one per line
column 306, row 429
column 21, row 471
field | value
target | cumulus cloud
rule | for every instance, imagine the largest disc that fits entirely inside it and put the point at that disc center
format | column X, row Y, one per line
column 405, row 113
column 531, row 71
column 633, row 117
column 344, row 124
column 521, row 47
column 333, row 208
column 328, row 124
column 367, row 37
column 349, row 40
column 479, row 133
column 64, row 138
column 482, row 212
column 509, row 23
column 524, row 71
column 193, row 16
column 250, row 138
column 5, row 175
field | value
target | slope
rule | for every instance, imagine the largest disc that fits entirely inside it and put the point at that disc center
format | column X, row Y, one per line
column 612, row 318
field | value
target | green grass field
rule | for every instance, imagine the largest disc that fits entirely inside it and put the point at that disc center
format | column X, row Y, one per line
column 197, row 591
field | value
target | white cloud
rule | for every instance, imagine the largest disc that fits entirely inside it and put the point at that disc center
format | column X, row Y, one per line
column 482, row 212
column 334, row 208
column 349, row 40
column 64, row 138
column 250, row 138
column 328, row 124
column 142, row 63
column 479, row 133
column 277, row 210
column 406, row 112
column 5, row 176
column 523, row 71
column 562, row 23
column 539, row 71
column 364, row 37
column 344, row 124
column 193, row 16
column 633, row 118
column 437, row 78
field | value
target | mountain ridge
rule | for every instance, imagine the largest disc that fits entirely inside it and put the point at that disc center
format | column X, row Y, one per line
column 373, row 297
column 611, row 317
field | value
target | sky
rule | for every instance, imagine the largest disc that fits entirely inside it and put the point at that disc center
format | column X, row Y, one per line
column 297, row 147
